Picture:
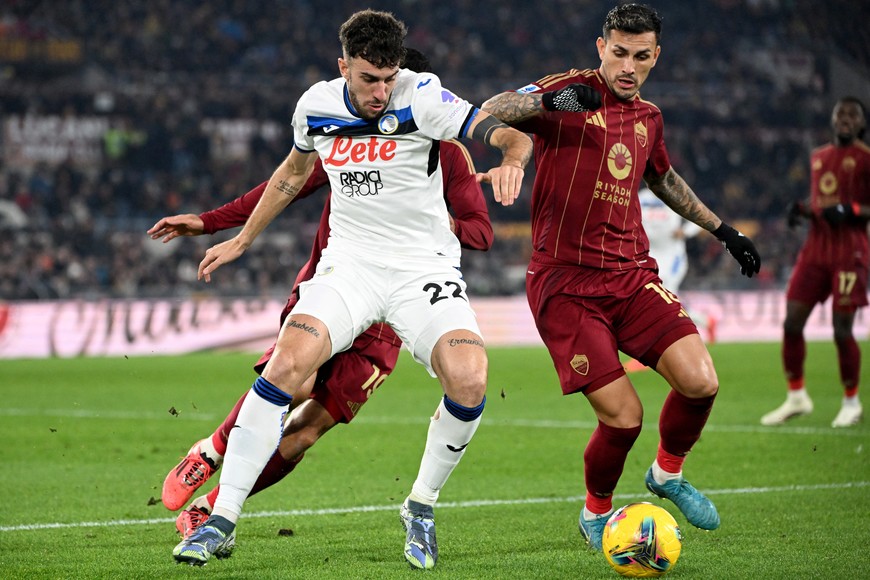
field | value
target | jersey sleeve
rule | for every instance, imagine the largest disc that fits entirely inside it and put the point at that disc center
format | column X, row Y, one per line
column 301, row 139
column 537, row 124
column 234, row 213
column 438, row 112
column 465, row 198
column 659, row 161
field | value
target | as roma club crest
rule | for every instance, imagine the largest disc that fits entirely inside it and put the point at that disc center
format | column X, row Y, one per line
column 580, row 364
column 640, row 133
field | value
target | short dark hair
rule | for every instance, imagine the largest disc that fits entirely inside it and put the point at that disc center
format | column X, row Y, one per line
column 860, row 103
column 416, row 61
column 633, row 19
column 377, row 37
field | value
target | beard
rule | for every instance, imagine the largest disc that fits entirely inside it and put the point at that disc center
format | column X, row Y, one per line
column 365, row 113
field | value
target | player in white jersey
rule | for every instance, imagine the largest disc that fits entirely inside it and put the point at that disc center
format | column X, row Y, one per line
column 391, row 257
column 667, row 232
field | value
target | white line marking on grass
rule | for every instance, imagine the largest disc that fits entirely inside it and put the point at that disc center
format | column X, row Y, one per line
column 424, row 420
column 442, row 505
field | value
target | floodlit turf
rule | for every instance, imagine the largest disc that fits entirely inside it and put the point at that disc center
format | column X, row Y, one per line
column 87, row 443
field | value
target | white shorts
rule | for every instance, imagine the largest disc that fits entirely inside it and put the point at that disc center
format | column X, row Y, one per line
column 421, row 300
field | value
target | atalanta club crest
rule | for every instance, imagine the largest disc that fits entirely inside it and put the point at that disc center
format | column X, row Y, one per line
column 388, row 124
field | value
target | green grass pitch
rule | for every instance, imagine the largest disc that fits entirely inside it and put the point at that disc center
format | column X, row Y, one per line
column 87, row 442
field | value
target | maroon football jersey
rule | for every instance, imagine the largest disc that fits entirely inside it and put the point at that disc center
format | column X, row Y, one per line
column 838, row 175
column 590, row 166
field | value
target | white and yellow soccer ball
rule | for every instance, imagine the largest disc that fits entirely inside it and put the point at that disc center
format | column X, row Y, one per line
column 642, row 540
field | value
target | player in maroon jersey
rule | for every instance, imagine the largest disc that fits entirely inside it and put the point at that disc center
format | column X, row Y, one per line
column 832, row 262
column 592, row 286
column 340, row 388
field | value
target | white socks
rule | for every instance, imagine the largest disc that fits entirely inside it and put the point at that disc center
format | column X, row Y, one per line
column 252, row 442
column 206, row 447
column 661, row 476
column 445, row 446
column 797, row 395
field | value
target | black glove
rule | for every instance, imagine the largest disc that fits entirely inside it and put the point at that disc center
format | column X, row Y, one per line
column 837, row 214
column 576, row 98
column 740, row 247
column 794, row 213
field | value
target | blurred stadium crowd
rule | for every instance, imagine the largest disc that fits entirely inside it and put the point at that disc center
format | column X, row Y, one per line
column 115, row 114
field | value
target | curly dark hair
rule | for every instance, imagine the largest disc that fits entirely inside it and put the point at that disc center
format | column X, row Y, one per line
column 633, row 19
column 377, row 37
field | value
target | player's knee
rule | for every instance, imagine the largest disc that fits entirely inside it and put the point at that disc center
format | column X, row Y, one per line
column 287, row 369
column 468, row 388
column 698, row 381
column 793, row 327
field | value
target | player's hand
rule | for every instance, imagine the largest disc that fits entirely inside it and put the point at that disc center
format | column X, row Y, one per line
column 837, row 214
column 794, row 213
column 506, row 182
column 218, row 255
column 172, row 227
column 575, row 98
column 740, row 247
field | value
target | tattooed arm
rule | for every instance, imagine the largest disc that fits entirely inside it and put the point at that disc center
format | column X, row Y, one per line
column 677, row 195
column 284, row 185
column 511, row 107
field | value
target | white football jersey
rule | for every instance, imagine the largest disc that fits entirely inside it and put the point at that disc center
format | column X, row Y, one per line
column 667, row 232
column 385, row 175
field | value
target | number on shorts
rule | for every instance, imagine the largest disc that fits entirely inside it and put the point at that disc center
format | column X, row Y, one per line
column 438, row 290
column 847, row 282
column 666, row 294
column 374, row 381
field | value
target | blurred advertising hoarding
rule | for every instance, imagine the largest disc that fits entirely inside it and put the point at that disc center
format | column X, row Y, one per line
column 42, row 329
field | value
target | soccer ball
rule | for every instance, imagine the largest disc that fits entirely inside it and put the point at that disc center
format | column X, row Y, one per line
column 642, row 540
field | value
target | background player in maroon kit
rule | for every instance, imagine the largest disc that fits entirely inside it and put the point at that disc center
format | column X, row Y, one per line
column 335, row 391
column 832, row 262
column 592, row 286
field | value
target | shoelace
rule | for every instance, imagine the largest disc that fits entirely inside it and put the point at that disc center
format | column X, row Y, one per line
column 195, row 474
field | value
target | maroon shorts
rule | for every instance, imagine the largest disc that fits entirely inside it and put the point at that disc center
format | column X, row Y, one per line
column 346, row 381
column 585, row 315
column 812, row 283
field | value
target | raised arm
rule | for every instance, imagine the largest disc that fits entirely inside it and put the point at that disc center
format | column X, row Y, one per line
column 286, row 183
column 513, row 107
column 677, row 195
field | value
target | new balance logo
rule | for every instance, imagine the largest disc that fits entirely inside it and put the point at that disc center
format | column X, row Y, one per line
column 597, row 119
column 456, row 449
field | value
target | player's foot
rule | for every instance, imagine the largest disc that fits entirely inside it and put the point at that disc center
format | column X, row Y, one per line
column 592, row 530
column 794, row 406
column 850, row 414
column 699, row 510
column 421, row 549
column 191, row 472
column 206, row 541
column 190, row 519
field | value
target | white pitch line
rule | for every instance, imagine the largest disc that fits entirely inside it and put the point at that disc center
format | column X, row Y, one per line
column 422, row 420
column 442, row 505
